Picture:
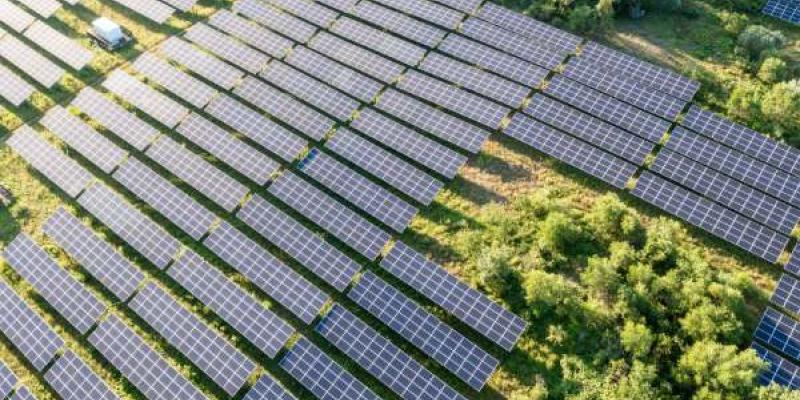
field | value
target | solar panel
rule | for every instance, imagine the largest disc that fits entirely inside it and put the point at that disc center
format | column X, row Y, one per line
column 138, row 362
column 227, row 48
column 719, row 221
column 271, row 275
column 726, row 191
column 741, row 138
column 305, row 246
column 182, row 5
column 442, row 343
column 78, row 306
column 63, row 171
column 56, row 43
column 203, row 64
column 260, row 129
column 482, row 82
column 151, row 9
column 262, row 39
column 14, row 17
column 530, row 50
column 7, row 380
column 783, row 9
column 331, row 215
column 557, row 39
column 407, row 27
column 115, row 118
column 590, row 129
column 648, row 74
column 440, row 124
column 409, row 143
column 794, row 263
column 30, row 61
column 94, row 254
column 267, row 388
column 465, row 303
column 341, row 5
column 308, row 10
column 385, row 166
column 45, row 8
column 780, row 332
column 736, row 165
column 223, row 363
column 224, row 146
column 780, row 370
column 454, row 99
column 335, row 74
column 22, row 394
column 381, row 358
column 72, row 379
column 787, row 294
column 188, row 88
column 260, row 326
column 359, row 58
column 493, row 60
column 26, row 330
column 358, row 190
column 13, row 88
column 198, row 173
column 83, row 138
column 158, row 192
column 272, row 18
column 310, row 90
column 591, row 160
column 147, row 99
column 467, row 6
column 623, row 88
column 427, row 11
column 321, row 375
column 379, row 41
column 130, row 224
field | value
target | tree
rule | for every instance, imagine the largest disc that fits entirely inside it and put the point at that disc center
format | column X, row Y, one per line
column 636, row 339
column 611, row 220
column 495, row 273
column 716, row 371
column 772, row 70
column 560, row 234
column 756, row 39
column 712, row 322
column 781, row 105
column 744, row 102
column 548, row 293
column 605, row 13
column 733, row 22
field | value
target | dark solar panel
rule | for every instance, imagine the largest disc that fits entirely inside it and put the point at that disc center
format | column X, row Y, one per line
column 780, row 371
column 787, row 294
column 227, row 48
column 262, row 39
column 335, row 74
column 522, row 24
column 23, row 393
column 403, row 25
column 780, row 332
column 178, row 82
column 382, row 42
column 72, row 379
column 787, row 10
column 26, row 330
column 266, row 388
column 203, row 64
column 156, row 104
column 427, row 11
column 794, row 263
column 512, row 43
column 276, row 20
column 115, row 118
column 7, row 378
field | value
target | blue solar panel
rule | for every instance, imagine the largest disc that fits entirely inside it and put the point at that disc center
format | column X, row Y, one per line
column 787, row 10
column 7, row 380
column 28, row 331
column 787, row 294
column 267, row 389
column 780, row 332
column 794, row 263
column 780, row 370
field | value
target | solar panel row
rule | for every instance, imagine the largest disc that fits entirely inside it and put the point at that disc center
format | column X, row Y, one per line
column 398, row 23
column 428, row 11
column 787, row 294
column 308, row 10
column 35, row 65
column 783, row 9
column 501, row 63
column 188, row 88
column 26, row 330
column 154, row 10
column 467, row 6
column 267, row 388
column 7, row 380
column 557, row 39
column 115, row 118
column 379, row 41
column 157, row 105
column 335, row 74
column 341, row 5
column 72, row 379
column 15, row 17
column 56, row 43
column 794, row 263
column 512, row 43
column 213, row 69
column 45, row 8
column 780, row 332
column 23, row 393
column 182, row 5
column 256, row 36
column 227, row 48
column 272, row 18
column 357, row 57
column 13, row 88
column 780, row 370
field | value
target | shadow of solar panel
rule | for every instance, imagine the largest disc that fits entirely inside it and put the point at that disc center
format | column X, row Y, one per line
column 427, row 11
column 22, row 394
column 591, row 160
column 590, row 129
column 787, row 294
column 139, row 363
column 115, row 118
column 153, row 10
column 493, row 60
column 13, row 88
column 54, row 42
column 180, row 208
column 72, row 379
column 267, row 388
column 557, row 39
column 335, row 74
column 7, row 380
column 409, row 143
column 794, row 263
column 250, row 33
column 385, row 166
column 217, row 358
column 147, row 99
column 379, row 41
column 308, row 10
column 393, row 21
column 244, row 313
column 45, row 8
column 14, row 17
column 331, row 215
column 98, row 257
column 260, row 129
column 181, row 84
column 198, row 173
column 780, row 332
column 512, row 43
column 727, row 191
column 203, row 64
column 26, row 330
column 271, row 275
column 322, row 376
column 440, row 342
column 305, row 246
column 130, row 224
column 281, row 22
column 385, row 361
column 786, row 10
column 359, row 58
column 465, row 303
column 83, row 138
column 780, row 371
column 76, row 304
column 713, row 218
column 63, row 171
column 35, row 65
column 227, row 48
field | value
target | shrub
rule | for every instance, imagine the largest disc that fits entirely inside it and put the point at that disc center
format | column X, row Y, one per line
column 744, row 102
column 582, row 19
column 611, row 220
column 757, row 39
column 772, row 70
column 781, row 105
column 636, row 339
column 733, row 22
column 495, row 273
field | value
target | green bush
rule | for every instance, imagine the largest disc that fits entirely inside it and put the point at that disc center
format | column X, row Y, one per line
column 781, row 105
column 757, row 39
column 772, row 70
column 494, row 270
column 733, row 22
column 582, row 19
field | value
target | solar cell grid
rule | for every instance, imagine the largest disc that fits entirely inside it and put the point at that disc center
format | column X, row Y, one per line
column 182, row 5
column 780, row 332
column 76, row 304
column 493, row 60
column 405, row 26
column 7, row 380
column 45, row 8
column 427, row 11
column 157, row 105
column 590, row 129
column 335, row 74
column 385, row 166
column 553, row 37
column 260, row 38
column 15, row 17
column 267, row 388
column 272, row 18
column 130, row 224
column 308, row 10
column 341, row 5
column 376, row 40
column 30, row 61
column 787, row 294
column 271, row 275
column 728, row 192
column 258, row 128
column 512, row 43
column 56, row 43
column 23, row 394
column 611, row 169
column 63, row 171
column 140, row 364
column 321, row 375
column 794, row 263
column 203, row 64
column 198, row 173
column 227, row 48
column 83, row 138
column 780, row 370
column 217, row 358
column 357, row 57
column 465, row 303
column 305, row 246
column 783, row 9
column 72, row 379
column 178, row 82
column 26, row 330
column 719, row 221
column 244, row 313
column 442, row 343
column 155, row 11
column 467, row 6
column 115, row 118
column 349, row 184
column 13, row 88
column 381, row 358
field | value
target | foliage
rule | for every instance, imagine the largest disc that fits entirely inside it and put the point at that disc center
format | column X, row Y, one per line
column 757, row 39
column 733, row 22
column 773, row 69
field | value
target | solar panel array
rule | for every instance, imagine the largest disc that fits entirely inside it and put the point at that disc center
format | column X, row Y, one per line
column 15, row 17
column 30, row 61
column 382, row 42
column 272, row 18
column 427, row 11
column 186, row 87
column 26, row 330
column 361, row 59
column 72, row 379
column 310, row 11
column 260, row 38
column 7, row 380
column 786, row 10
column 211, row 68
column 794, row 262
column 227, row 48
column 154, row 10
column 780, row 332
column 524, row 48
column 45, row 8
column 554, row 38
column 22, row 394
column 780, row 370
column 267, row 388
column 115, row 118
column 157, row 105
column 335, row 74
column 54, row 42
column 787, row 294
column 493, row 60
column 399, row 23
column 13, row 88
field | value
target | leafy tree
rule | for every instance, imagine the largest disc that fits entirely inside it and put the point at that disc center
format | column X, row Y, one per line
column 637, row 339
column 773, row 69
column 611, row 220
column 757, row 39
column 712, row 322
column 560, row 234
column 781, row 105
column 495, row 273
column 744, row 102
column 548, row 293
column 601, row 278
column 716, row 371
column 733, row 22
column 582, row 19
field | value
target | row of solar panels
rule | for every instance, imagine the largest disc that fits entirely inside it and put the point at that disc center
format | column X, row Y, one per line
column 787, row 10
